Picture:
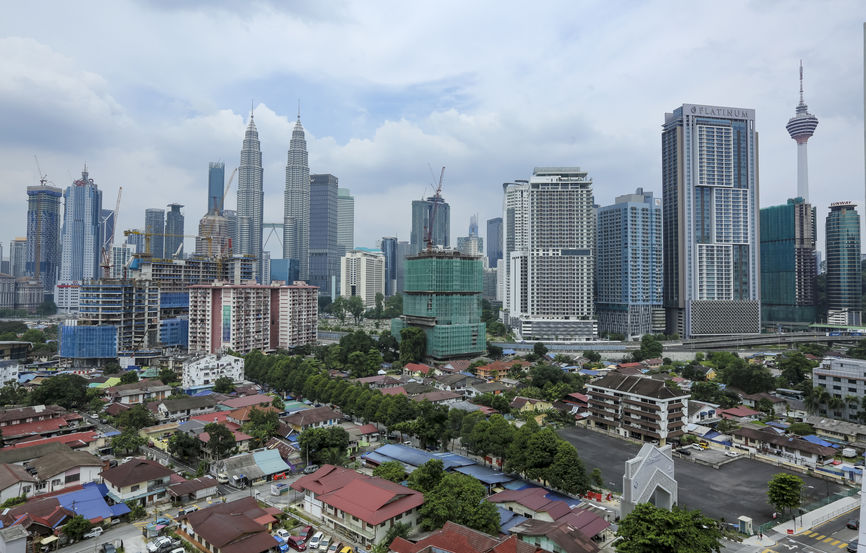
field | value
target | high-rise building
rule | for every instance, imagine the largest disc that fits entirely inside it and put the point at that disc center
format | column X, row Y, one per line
column 284, row 270
column 403, row 251
column 345, row 221
column 130, row 306
column 43, row 234
column 324, row 252
column 4, row 262
column 174, row 232
column 244, row 317
column 549, row 230
column 710, row 221
column 801, row 127
column 472, row 244
column 214, row 236
column 106, row 231
column 443, row 298
column 422, row 211
column 788, row 263
column 250, row 198
column 18, row 257
column 844, row 292
column 135, row 238
column 628, row 267
column 154, row 228
column 388, row 245
column 296, row 210
column 121, row 256
column 494, row 241
column 80, row 238
column 232, row 221
column 362, row 273
column 216, row 182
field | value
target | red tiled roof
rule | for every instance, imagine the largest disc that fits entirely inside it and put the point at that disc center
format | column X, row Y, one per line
column 216, row 416
column 739, row 411
column 135, row 471
column 368, row 429
column 583, row 398
column 247, row 401
column 325, row 480
column 76, row 439
column 204, row 437
column 456, row 538
column 436, row 395
column 12, row 474
column 116, row 408
column 396, row 391
column 417, row 368
column 234, row 527
column 533, row 498
column 13, row 431
column 312, row 416
column 373, row 500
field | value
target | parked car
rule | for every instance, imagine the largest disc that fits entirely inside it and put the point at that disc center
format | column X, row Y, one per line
column 281, row 544
column 347, row 549
column 310, row 469
column 306, row 532
column 108, row 548
column 853, row 524
column 297, row 543
column 316, row 540
column 732, row 453
column 94, row 532
column 162, row 543
column 852, row 546
column 325, row 543
column 335, row 547
column 283, row 533
column 178, row 550
column 684, row 451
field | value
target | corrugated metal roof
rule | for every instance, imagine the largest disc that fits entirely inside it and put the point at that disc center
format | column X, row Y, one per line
column 270, row 462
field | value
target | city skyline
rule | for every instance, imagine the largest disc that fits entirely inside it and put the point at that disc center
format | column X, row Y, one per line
column 379, row 135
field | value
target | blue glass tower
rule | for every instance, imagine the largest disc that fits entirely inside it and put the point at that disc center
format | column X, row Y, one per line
column 43, row 234
column 216, row 181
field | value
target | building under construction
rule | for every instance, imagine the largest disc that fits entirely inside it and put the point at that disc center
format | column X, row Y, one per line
column 132, row 307
column 442, row 296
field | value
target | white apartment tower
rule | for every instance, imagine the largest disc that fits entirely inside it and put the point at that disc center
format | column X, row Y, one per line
column 362, row 273
column 296, row 214
column 549, row 237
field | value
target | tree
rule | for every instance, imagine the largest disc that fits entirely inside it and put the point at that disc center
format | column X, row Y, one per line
column 135, row 418
column 393, row 306
column 650, row 348
column 128, row 441
column 262, row 425
column 65, row 390
column 801, row 429
column 596, row 477
column 783, row 491
column 726, row 425
column 459, row 498
column 278, row 403
column 539, row 350
column 111, row 367
column 795, row 367
column 494, row 351
column 389, row 347
column 413, row 345
column 46, row 308
column 355, row 307
column 136, row 510
column 184, row 446
column 223, row 385
column 567, row 471
column 13, row 394
column 167, row 375
column 399, row 529
column 592, row 356
column 379, row 310
column 426, row 477
column 315, row 443
column 650, row 529
column 33, row 335
column 220, row 439
column 77, row 527
column 128, row 377
column 391, row 470
column 338, row 308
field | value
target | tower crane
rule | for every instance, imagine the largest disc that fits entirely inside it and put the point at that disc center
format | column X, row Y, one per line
column 37, row 265
column 109, row 241
column 437, row 199
column 226, row 191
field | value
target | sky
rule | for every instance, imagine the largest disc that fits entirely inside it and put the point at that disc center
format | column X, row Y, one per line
column 146, row 93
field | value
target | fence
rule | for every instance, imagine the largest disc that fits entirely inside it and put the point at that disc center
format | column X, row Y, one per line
column 813, row 521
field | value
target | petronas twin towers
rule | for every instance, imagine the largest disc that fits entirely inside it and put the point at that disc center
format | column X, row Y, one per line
column 296, row 208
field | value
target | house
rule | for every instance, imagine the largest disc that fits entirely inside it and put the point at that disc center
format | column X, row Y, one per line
column 64, row 469
column 157, row 436
column 481, row 388
column 260, row 400
column 573, row 533
column 19, row 415
column 456, row 538
column 530, row 405
column 531, row 502
column 440, row 397
column 90, row 441
column 780, row 405
column 849, row 432
column 498, row 369
column 740, row 414
column 708, row 373
column 701, row 412
column 140, row 480
column 312, row 418
column 654, row 363
column 456, row 366
column 455, row 382
column 378, row 382
column 249, row 468
column 15, row 481
column 144, row 391
column 21, row 455
column 239, row 526
column 393, row 391
column 325, row 480
column 184, row 490
column 204, row 370
column 182, row 408
column 14, row 539
column 39, row 516
column 419, row 370
column 792, row 449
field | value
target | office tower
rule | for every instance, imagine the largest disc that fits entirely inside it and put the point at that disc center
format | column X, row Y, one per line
column 174, row 232
column 120, row 259
column 550, row 236
column 154, row 227
column 494, row 241
column 388, row 245
column 18, row 257
column 801, row 127
column 710, row 221
column 403, row 249
column 232, row 221
column 265, row 277
column 214, row 236
column 443, row 298
column 216, row 182
column 362, row 273
column 284, row 270
column 135, row 238
column 472, row 244
column 80, row 245
column 244, row 317
column 43, row 234
column 788, row 263
column 4, row 262
column 250, row 197
column 628, row 267
column 106, row 231
column 844, row 293
column 296, row 214
column 345, row 221
column 422, row 210
column 324, row 252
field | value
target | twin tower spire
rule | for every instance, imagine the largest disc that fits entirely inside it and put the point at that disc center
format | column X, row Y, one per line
column 296, row 207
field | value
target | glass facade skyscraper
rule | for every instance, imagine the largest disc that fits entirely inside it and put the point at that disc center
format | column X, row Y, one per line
column 154, row 226
column 174, row 230
column 388, row 245
column 324, row 253
column 80, row 238
column 43, row 234
column 494, row 241
column 345, row 221
column 422, row 211
column 248, row 240
column 296, row 208
column 216, row 181
column 844, row 292
column 710, row 223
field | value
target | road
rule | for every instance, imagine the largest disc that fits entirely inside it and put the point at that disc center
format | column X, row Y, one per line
column 737, row 488
column 129, row 534
column 830, row 537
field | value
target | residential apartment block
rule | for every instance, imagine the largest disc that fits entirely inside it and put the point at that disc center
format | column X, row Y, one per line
column 204, row 370
column 845, row 381
column 362, row 273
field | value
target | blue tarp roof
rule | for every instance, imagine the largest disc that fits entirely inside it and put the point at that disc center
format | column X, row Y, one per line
column 89, row 502
column 484, row 474
column 518, row 485
column 589, row 372
column 270, row 462
column 572, row 502
column 112, row 433
column 508, row 352
column 416, row 457
column 778, row 424
column 508, row 519
column 816, row 440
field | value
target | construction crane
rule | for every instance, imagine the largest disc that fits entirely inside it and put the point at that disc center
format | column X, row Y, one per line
column 149, row 235
column 109, row 240
column 226, row 191
column 37, row 265
column 437, row 199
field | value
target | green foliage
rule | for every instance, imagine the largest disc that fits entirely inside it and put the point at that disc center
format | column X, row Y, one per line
column 33, row 335
column 13, row 327
column 596, row 478
column 111, row 367
column 801, row 429
column 426, row 477
column 539, row 350
column 795, row 367
column 413, row 345
column 13, row 394
column 184, row 446
column 567, row 472
column 12, row 501
column 136, row 418
column 650, row 348
column 783, row 491
column 46, row 308
column 650, row 529
column 319, row 443
column 494, row 351
column 388, row 346
column 168, row 376
column 128, row 377
column 355, row 307
column 262, row 425
column 128, row 441
column 391, row 470
column 399, row 529
column 712, row 393
column 77, row 527
column 136, row 510
column 818, row 350
column 726, row 426
column 859, row 350
column 221, row 441
column 278, row 403
column 459, row 498
column 223, row 385
column 65, row 390
column 338, row 308
column 592, row 356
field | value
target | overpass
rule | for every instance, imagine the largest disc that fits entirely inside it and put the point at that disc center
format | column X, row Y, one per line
column 751, row 340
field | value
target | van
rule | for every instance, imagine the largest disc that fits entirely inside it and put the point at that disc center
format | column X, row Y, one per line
column 315, row 540
column 222, row 478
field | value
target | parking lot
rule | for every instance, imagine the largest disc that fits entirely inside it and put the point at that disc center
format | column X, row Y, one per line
column 736, row 488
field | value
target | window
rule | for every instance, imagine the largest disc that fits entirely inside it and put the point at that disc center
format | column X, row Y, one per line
column 134, row 488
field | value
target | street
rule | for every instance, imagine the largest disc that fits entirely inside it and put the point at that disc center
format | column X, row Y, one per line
column 129, row 534
column 830, row 537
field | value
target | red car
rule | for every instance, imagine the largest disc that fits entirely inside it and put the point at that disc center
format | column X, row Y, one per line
column 305, row 532
column 297, row 543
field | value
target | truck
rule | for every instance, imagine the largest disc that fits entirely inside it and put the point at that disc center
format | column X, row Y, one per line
column 279, row 488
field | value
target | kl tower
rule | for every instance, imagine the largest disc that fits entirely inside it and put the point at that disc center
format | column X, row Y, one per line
column 801, row 127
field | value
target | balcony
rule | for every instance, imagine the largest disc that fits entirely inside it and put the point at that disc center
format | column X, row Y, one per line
column 642, row 404
column 641, row 413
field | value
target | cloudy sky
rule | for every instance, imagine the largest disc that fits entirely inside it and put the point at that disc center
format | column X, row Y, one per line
column 148, row 92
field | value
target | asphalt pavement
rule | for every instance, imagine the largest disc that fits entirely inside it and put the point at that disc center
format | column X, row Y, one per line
column 831, row 537
column 129, row 534
column 736, row 488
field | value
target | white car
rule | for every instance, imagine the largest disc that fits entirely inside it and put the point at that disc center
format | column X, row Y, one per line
column 283, row 533
column 314, row 541
column 732, row 453
column 94, row 532
column 159, row 544
column 325, row 543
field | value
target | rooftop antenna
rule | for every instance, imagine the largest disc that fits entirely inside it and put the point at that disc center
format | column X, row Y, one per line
column 299, row 109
